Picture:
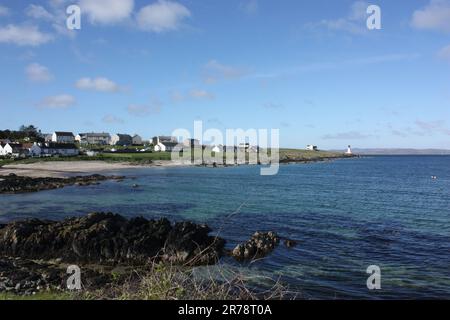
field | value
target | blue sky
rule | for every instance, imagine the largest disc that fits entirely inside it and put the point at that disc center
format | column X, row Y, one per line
column 310, row 68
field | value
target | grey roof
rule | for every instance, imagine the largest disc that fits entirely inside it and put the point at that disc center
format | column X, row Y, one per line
column 94, row 134
column 64, row 133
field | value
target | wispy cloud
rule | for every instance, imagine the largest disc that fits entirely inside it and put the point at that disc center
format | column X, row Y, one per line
column 38, row 12
column 432, row 127
column 162, row 16
column 444, row 53
column 349, row 135
column 144, row 110
column 38, row 73
column 214, row 71
column 335, row 65
column 271, row 105
column 62, row 101
column 201, row 94
column 111, row 119
column 4, row 11
column 354, row 22
column 435, row 16
column 249, row 6
column 195, row 94
column 99, row 84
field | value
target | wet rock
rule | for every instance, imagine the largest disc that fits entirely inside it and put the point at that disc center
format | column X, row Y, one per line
column 189, row 243
column 290, row 243
column 106, row 238
column 18, row 184
column 259, row 245
column 26, row 277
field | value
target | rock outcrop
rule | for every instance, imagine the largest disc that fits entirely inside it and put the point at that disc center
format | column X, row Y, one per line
column 106, row 238
column 259, row 245
column 18, row 184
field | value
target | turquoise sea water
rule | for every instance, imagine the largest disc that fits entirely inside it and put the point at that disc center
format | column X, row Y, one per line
column 346, row 215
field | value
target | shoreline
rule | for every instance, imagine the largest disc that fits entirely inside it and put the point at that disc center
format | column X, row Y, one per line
column 65, row 169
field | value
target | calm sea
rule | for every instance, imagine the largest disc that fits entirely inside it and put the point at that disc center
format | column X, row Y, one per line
column 346, row 214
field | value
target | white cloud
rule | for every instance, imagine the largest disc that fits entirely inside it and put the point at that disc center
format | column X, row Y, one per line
column 98, row 84
column 107, row 11
column 23, row 35
column 111, row 119
column 4, row 11
column 62, row 101
column 435, row 16
column 38, row 73
column 38, row 12
column 214, row 71
column 354, row 22
column 444, row 53
column 162, row 16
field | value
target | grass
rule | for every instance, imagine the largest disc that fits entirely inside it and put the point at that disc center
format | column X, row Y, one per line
column 306, row 155
column 168, row 282
column 148, row 157
column 50, row 295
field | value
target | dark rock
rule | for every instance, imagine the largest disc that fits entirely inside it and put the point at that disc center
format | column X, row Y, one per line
column 186, row 245
column 18, row 184
column 259, row 245
column 290, row 243
column 25, row 277
column 108, row 238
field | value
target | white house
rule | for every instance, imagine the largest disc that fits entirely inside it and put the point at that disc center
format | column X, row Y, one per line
column 137, row 140
column 62, row 149
column 166, row 147
column 311, row 147
column 63, row 137
column 159, row 147
column 15, row 149
column 6, row 149
column 216, row 149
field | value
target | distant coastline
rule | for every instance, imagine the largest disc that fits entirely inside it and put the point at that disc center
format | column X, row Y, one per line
column 398, row 151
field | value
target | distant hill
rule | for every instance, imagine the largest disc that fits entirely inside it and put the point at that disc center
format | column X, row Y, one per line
column 399, row 151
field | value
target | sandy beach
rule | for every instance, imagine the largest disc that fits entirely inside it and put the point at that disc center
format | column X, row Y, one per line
column 60, row 169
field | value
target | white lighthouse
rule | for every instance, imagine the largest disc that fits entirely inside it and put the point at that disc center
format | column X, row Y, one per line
column 349, row 150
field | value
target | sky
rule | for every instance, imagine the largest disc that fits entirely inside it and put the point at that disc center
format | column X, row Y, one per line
column 310, row 68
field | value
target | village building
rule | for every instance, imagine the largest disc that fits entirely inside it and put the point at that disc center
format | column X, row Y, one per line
column 121, row 140
column 137, row 140
column 93, row 138
column 60, row 149
column 192, row 143
column 311, row 147
column 47, row 137
column 216, row 149
column 63, row 137
column 35, row 150
column 164, row 143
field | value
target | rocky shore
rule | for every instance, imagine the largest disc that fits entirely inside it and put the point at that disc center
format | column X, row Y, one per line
column 13, row 183
column 34, row 254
